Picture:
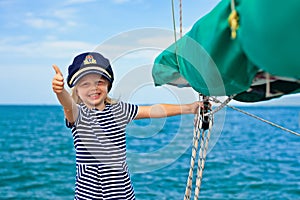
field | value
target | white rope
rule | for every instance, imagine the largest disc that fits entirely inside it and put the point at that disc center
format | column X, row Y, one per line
column 264, row 120
column 175, row 32
column 256, row 117
column 205, row 136
column 223, row 104
column 180, row 17
column 196, row 139
column 174, row 23
column 201, row 160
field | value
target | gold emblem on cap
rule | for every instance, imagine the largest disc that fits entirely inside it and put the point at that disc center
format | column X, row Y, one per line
column 89, row 59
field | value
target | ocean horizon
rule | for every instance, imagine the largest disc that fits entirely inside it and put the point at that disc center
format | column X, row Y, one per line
column 247, row 158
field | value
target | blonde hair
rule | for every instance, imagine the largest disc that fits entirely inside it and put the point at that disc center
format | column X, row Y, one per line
column 77, row 99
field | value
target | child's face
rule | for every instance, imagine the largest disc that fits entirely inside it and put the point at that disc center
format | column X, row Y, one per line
column 92, row 90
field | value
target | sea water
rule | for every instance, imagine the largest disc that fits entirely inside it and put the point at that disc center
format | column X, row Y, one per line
column 247, row 158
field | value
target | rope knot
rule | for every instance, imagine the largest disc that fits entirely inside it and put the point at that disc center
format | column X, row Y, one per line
column 206, row 121
column 233, row 21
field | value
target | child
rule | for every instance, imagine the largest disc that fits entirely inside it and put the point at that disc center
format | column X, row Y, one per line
column 98, row 125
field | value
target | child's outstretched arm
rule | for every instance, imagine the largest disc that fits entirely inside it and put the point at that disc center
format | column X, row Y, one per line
column 63, row 96
column 167, row 110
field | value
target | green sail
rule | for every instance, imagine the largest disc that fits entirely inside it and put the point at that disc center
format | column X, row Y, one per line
column 214, row 64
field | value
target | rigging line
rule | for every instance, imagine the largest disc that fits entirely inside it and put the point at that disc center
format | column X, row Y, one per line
column 196, row 138
column 199, row 167
column 175, row 37
column 180, row 16
column 205, row 132
column 180, row 19
column 201, row 160
column 259, row 118
column 174, row 24
column 264, row 120
column 223, row 104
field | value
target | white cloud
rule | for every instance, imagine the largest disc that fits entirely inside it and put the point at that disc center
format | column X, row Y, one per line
column 40, row 23
column 58, row 19
column 136, row 44
column 4, row 3
column 48, row 49
column 48, row 16
column 136, row 40
column 65, row 14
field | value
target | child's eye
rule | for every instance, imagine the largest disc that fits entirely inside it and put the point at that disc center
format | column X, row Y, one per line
column 101, row 82
column 84, row 84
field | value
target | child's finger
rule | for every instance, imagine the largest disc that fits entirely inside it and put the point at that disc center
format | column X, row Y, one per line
column 57, row 70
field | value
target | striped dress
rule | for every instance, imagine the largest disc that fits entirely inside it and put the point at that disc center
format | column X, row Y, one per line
column 100, row 144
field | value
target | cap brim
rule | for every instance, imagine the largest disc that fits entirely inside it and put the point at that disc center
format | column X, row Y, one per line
column 89, row 70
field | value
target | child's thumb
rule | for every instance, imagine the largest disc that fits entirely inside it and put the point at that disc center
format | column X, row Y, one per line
column 57, row 70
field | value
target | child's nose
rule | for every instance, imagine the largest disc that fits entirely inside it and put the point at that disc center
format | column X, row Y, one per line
column 94, row 86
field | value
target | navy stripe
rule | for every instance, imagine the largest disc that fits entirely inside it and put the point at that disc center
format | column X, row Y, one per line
column 100, row 144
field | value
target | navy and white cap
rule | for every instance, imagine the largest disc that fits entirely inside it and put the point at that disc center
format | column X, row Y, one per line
column 89, row 63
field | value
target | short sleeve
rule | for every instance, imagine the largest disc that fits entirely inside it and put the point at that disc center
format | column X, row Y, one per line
column 71, row 125
column 130, row 110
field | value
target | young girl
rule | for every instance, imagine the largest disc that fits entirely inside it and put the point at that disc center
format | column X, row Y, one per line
column 98, row 126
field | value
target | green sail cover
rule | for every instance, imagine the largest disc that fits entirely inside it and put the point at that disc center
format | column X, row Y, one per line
column 268, row 39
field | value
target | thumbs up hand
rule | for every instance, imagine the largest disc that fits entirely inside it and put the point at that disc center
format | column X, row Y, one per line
column 58, row 81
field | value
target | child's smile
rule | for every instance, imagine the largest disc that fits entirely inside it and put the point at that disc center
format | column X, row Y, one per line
column 95, row 95
column 92, row 90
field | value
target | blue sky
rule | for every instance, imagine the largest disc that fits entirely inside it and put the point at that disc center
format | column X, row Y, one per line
column 131, row 33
